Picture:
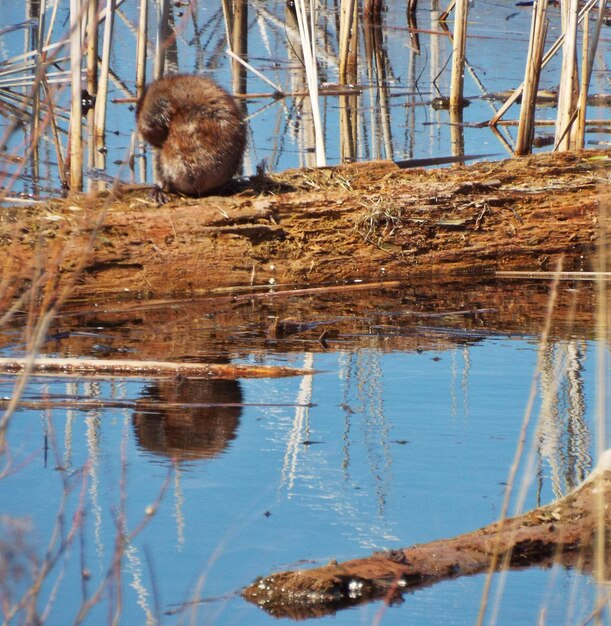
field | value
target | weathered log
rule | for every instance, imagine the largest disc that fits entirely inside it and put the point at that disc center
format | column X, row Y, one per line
column 340, row 225
column 145, row 369
column 563, row 531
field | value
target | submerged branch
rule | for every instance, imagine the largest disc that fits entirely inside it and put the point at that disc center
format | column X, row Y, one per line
column 562, row 531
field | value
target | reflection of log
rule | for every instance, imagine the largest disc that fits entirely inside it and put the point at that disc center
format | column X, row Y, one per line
column 146, row 369
column 561, row 530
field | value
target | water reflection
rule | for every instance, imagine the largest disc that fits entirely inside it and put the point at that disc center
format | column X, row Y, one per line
column 563, row 435
column 188, row 419
column 404, row 436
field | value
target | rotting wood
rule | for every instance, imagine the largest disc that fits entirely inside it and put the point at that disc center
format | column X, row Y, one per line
column 362, row 222
column 562, row 532
column 149, row 369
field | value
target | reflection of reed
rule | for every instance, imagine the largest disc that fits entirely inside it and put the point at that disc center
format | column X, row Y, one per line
column 563, row 435
column 93, row 423
column 464, row 380
column 376, row 57
column 134, row 567
column 71, row 391
column 299, row 430
column 376, row 427
column 179, row 506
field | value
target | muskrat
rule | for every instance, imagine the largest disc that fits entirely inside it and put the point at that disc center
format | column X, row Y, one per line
column 198, row 130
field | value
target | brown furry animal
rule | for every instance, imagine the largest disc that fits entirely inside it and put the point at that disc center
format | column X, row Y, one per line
column 198, row 130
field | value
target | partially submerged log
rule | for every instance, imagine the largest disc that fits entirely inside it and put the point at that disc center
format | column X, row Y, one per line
column 563, row 531
column 144, row 369
column 337, row 225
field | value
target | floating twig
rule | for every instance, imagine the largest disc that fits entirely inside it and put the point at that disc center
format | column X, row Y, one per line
column 146, row 369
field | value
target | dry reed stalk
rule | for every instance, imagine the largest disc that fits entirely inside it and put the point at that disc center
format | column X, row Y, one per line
column 444, row 16
column 590, row 45
column 459, row 44
column 600, row 123
column 142, row 38
column 307, row 31
column 76, row 111
column 538, row 31
column 603, row 336
column 347, row 35
column 546, row 59
column 237, row 60
column 92, row 76
column 163, row 15
column 55, row 130
column 39, row 74
column 92, row 46
column 566, row 88
column 239, row 44
column 412, row 27
column 578, row 129
column 291, row 30
column 377, row 67
column 384, row 108
column 51, row 25
column 141, row 53
column 99, row 128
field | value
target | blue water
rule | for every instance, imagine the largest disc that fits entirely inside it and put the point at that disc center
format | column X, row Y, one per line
column 400, row 448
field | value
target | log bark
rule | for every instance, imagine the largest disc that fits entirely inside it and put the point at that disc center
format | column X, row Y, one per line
column 563, row 531
column 337, row 225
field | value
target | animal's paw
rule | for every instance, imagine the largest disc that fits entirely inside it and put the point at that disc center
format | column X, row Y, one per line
column 158, row 195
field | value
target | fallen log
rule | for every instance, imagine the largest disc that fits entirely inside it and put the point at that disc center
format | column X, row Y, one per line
column 144, row 369
column 563, row 531
column 363, row 222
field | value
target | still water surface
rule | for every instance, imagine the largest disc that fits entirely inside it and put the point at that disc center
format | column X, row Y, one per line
column 405, row 435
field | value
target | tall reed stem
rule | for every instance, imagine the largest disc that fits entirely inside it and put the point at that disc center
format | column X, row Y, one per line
column 76, row 129
column 141, row 48
column 163, row 15
column 538, row 31
column 566, row 89
column 459, row 43
column 347, row 35
column 102, row 95
column 307, row 32
column 92, row 73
